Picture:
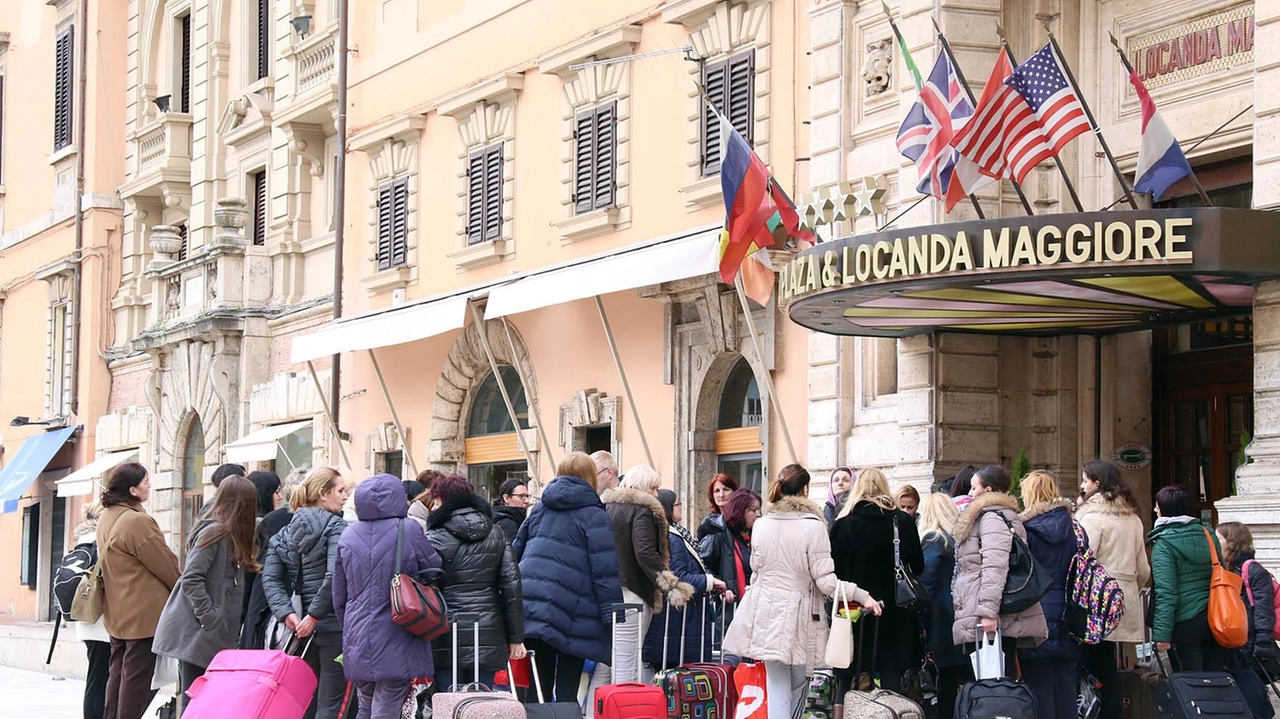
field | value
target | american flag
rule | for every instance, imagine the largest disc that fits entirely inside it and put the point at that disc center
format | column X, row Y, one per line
column 1042, row 80
column 926, row 134
column 1004, row 138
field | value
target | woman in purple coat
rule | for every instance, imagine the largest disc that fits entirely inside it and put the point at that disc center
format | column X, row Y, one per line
column 380, row 657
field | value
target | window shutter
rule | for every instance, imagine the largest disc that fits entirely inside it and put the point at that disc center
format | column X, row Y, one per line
column 264, row 38
column 184, row 104
column 182, row 249
column 605, row 156
column 475, row 197
column 740, row 106
column 260, row 207
column 386, row 224
column 584, row 133
column 400, row 223
column 62, row 89
column 715, row 80
column 493, row 193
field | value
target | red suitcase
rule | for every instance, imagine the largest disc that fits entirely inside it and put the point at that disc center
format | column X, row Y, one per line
column 629, row 700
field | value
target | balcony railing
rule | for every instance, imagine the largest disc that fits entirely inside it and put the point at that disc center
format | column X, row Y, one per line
column 314, row 59
column 165, row 142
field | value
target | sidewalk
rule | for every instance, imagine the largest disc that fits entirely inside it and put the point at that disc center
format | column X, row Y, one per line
column 33, row 695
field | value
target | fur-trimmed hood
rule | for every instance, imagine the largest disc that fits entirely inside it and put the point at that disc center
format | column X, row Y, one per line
column 795, row 505
column 665, row 583
column 627, row 495
column 973, row 513
column 1036, row 510
column 1098, row 504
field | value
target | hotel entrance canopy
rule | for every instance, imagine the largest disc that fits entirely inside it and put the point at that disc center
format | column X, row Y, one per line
column 1083, row 273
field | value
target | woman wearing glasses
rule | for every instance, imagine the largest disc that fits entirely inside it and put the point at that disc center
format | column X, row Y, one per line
column 511, row 507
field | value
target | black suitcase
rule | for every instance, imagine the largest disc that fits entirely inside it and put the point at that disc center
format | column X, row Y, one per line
column 991, row 698
column 1200, row 694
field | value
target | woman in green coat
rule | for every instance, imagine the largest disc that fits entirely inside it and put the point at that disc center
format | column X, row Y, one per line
column 1180, row 567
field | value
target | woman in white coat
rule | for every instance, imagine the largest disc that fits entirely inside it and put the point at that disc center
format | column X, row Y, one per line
column 1108, row 513
column 97, row 642
column 780, row 620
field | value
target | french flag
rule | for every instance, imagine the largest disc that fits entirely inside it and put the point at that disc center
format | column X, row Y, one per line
column 1160, row 159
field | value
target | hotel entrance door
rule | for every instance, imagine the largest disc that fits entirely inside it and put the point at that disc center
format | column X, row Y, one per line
column 1204, row 407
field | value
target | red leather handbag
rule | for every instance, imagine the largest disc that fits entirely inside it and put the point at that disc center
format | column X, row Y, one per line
column 419, row 608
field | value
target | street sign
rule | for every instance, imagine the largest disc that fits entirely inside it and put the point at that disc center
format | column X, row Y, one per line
column 1133, row 456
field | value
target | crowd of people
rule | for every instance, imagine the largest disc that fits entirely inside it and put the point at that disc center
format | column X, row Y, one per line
column 300, row 565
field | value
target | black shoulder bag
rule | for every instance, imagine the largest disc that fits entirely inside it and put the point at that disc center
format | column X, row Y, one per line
column 908, row 592
column 1027, row 581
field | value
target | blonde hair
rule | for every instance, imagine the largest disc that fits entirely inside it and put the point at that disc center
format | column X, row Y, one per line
column 907, row 490
column 578, row 464
column 316, row 483
column 642, row 477
column 870, row 485
column 938, row 514
column 1039, row 487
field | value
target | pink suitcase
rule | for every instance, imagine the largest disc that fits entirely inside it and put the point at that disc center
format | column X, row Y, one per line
column 252, row 684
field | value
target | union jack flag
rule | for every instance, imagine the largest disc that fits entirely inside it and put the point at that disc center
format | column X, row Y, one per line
column 927, row 134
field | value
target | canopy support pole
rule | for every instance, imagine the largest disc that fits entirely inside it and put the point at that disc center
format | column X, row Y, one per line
column 764, row 369
column 622, row 374
column 502, row 389
column 395, row 416
column 328, row 413
column 533, row 401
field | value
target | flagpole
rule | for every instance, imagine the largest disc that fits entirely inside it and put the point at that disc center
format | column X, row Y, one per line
column 764, row 368
column 1097, row 131
column 1204, row 196
column 973, row 100
column 1004, row 44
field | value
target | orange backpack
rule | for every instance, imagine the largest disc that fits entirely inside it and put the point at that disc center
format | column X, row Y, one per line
column 1228, row 618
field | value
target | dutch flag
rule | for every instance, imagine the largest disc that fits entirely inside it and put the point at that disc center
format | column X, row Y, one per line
column 1160, row 159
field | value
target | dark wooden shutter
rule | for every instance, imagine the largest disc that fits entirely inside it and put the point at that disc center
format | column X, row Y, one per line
column 184, row 89
column 400, row 222
column 475, row 197
column 63, row 90
column 264, row 38
column 584, row 161
column 260, row 207
column 493, row 193
column 606, row 152
column 182, row 248
column 715, row 79
column 740, row 103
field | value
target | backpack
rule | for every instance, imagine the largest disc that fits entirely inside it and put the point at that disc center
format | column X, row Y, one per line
column 66, row 579
column 1095, row 601
column 1275, row 590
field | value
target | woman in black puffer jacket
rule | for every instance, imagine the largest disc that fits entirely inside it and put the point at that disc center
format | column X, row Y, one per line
column 301, row 559
column 481, row 579
column 1051, row 668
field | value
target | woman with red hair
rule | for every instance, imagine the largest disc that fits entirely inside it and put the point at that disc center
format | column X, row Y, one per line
column 718, row 492
column 726, row 551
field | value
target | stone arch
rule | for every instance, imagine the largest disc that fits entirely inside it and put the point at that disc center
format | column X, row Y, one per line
column 709, row 387
column 465, row 368
column 189, row 385
column 150, row 35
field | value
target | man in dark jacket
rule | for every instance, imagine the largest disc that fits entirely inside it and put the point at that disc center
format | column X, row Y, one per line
column 481, row 582
column 511, row 507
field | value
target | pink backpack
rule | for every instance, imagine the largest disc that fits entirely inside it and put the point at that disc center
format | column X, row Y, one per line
column 252, row 684
column 1275, row 591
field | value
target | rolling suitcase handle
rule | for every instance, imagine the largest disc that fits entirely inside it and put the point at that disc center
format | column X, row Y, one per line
column 614, row 611
column 458, row 620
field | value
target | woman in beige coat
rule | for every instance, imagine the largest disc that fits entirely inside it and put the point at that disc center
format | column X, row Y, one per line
column 1108, row 513
column 983, row 543
column 781, row 618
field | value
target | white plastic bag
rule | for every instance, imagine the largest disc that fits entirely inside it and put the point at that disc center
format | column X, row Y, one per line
column 988, row 659
column 839, row 653
column 166, row 672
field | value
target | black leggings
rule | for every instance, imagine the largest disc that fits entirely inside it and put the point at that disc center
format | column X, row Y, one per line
column 566, row 669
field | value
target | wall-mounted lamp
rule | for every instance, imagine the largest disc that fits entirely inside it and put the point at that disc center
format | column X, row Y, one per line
column 302, row 25
column 21, row 421
column 162, row 102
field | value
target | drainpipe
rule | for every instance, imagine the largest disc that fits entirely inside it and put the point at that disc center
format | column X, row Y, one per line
column 78, row 257
column 340, row 211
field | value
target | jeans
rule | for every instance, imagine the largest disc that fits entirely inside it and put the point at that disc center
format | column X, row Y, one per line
column 627, row 641
column 1054, row 684
column 558, row 674
column 382, row 700
column 187, row 675
column 95, row 679
column 1100, row 661
column 1195, row 649
column 129, row 691
column 787, row 687
column 322, row 657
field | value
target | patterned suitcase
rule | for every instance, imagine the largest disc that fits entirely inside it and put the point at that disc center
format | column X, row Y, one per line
column 882, row 704
column 690, row 691
column 821, row 700
column 472, row 701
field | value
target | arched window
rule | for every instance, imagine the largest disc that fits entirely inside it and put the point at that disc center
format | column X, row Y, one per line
column 192, row 474
column 739, row 451
column 492, row 449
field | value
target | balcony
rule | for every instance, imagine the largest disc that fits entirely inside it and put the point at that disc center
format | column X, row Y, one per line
column 161, row 161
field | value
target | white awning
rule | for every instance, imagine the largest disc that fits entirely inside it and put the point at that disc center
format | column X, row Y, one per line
column 392, row 326
column 668, row 260
column 84, row 481
column 261, row 446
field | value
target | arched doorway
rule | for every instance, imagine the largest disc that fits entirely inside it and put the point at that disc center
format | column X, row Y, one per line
column 739, row 452
column 193, row 448
column 493, row 452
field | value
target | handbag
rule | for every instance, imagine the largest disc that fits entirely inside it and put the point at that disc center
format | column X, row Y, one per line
column 276, row 634
column 908, row 592
column 87, row 605
column 1027, row 581
column 839, row 653
column 419, row 608
column 1228, row 618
